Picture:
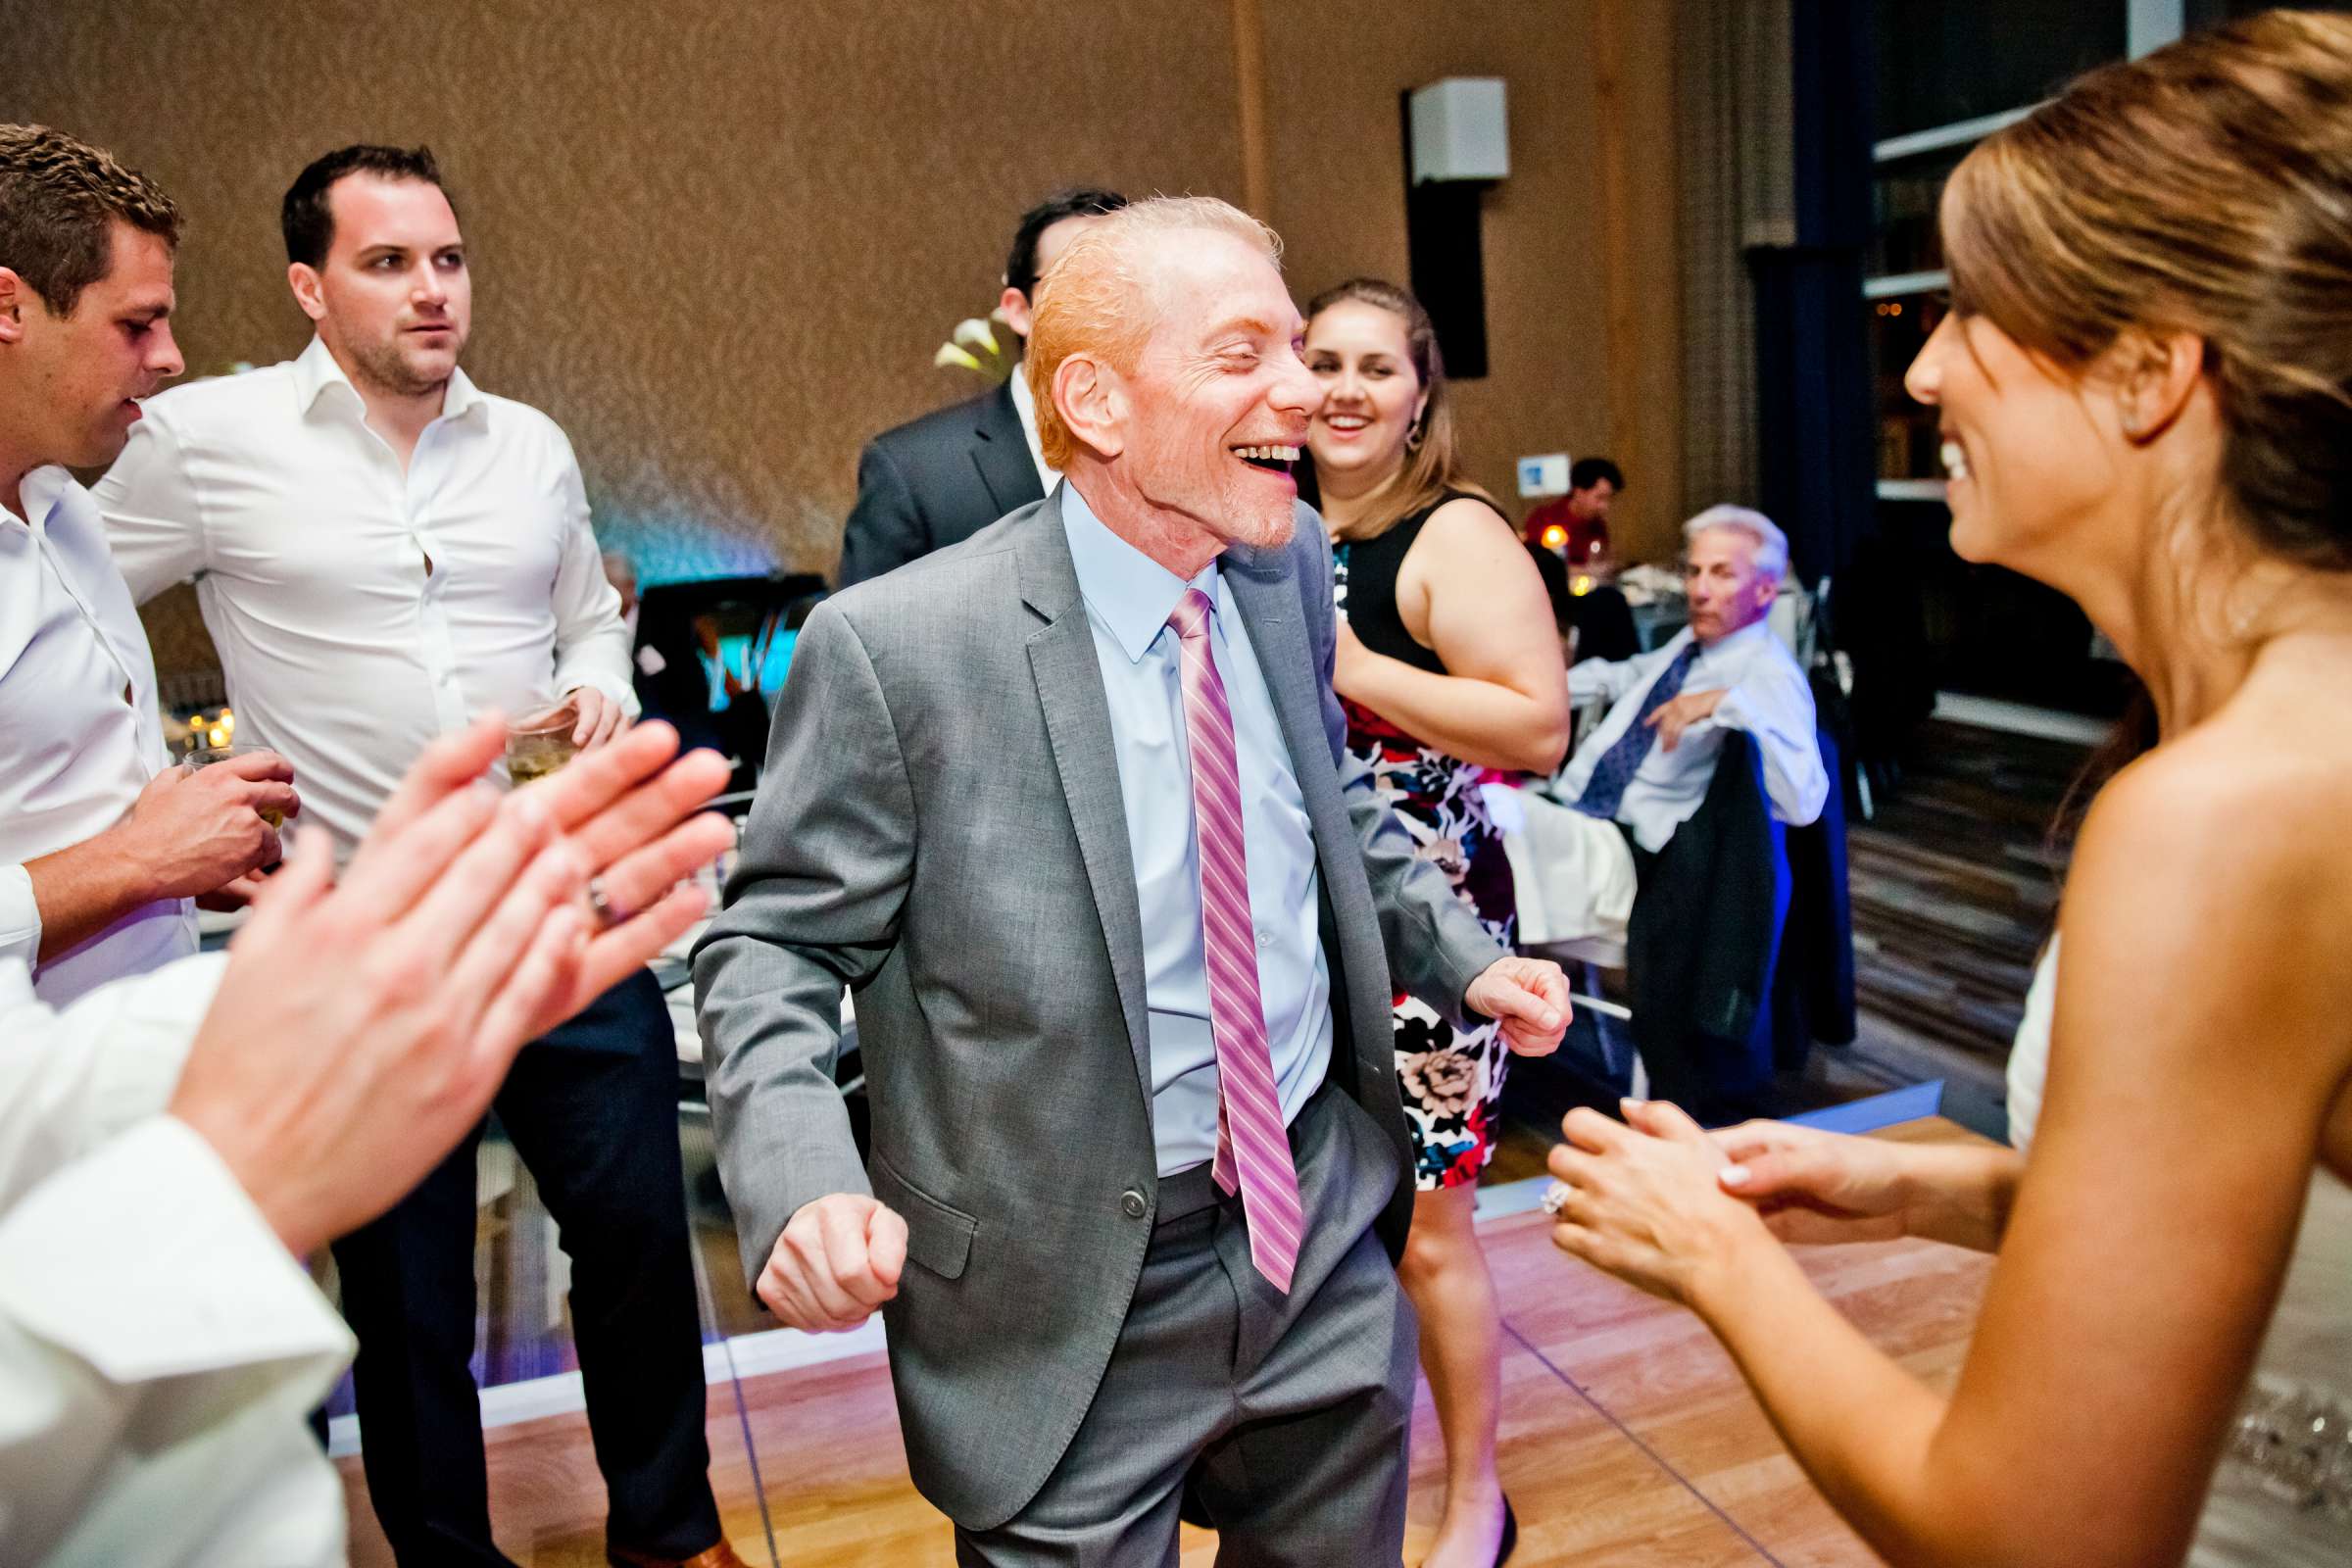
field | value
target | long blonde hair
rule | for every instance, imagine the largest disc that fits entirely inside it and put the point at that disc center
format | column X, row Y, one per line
column 1433, row 459
column 2205, row 188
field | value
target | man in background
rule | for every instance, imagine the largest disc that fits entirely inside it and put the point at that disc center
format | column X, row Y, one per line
column 1581, row 514
column 1644, row 769
column 1570, row 535
column 102, row 843
column 945, row 477
column 386, row 552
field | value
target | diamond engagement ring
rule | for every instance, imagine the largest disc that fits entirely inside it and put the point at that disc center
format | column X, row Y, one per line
column 607, row 913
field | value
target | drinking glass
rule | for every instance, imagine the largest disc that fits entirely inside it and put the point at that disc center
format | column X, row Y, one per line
column 539, row 744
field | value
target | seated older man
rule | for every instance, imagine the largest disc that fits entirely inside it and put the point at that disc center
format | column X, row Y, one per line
column 1643, row 771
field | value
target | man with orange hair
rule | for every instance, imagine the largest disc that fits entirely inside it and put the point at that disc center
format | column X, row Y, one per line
column 1124, row 997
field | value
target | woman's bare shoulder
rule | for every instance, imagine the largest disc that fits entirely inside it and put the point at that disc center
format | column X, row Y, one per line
column 2237, row 836
column 1468, row 519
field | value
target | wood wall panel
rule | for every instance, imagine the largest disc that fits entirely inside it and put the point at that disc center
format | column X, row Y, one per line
column 718, row 241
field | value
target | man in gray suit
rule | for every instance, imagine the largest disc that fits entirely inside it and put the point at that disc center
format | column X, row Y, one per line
column 1068, row 806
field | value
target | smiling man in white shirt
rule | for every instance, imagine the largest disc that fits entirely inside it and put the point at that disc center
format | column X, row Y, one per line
column 383, row 550
column 101, row 845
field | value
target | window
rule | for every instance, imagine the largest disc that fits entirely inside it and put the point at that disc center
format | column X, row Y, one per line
column 1942, row 62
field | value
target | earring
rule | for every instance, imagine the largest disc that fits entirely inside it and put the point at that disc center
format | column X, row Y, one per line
column 1412, row 437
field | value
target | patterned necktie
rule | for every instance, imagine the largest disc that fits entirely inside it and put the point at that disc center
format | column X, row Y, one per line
column 1605, row 790
column 1253, row 1145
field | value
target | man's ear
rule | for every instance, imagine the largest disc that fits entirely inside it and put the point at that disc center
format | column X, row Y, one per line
column 309, row 288
column 15, row 293
column 1092, row 399
column 1013, row 306
column 2154, row 379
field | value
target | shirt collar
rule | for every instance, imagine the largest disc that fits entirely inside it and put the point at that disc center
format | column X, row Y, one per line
column 1024, row 402
column 316, row 369
column 41, row 491
column 1133, row 593
column 1745, row 638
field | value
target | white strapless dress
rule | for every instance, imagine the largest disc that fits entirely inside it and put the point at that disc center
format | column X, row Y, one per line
column 2282, row 1498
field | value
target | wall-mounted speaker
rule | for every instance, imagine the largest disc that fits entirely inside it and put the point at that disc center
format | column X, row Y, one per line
column 1457, row 128
column 1456, row 143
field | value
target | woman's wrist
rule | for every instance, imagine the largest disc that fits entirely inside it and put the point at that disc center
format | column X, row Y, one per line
column 1741, row 1257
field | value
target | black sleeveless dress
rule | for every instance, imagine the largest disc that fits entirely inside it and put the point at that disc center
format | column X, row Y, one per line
column 1451, row 1079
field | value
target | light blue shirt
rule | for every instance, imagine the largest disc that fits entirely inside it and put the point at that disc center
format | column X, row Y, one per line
column 1129, row 598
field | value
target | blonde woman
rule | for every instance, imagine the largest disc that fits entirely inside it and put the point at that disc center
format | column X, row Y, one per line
column 1447, row 665
column 2145, row 386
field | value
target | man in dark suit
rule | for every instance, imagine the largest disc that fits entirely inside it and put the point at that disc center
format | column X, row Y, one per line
column 943, row 477
column 1137, row 1143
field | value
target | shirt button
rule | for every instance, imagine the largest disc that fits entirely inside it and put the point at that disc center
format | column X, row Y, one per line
column 1132, row 1203
column 1265, row 938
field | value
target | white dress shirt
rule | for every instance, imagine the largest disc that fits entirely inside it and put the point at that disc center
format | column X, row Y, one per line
column 158, row 1349
column 1764, row 694
column 79, row 732
column 360, row 609
column 1129, row 598
column 1025, row 405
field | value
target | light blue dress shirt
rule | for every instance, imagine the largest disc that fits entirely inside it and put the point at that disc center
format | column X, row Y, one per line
column 1129, row 598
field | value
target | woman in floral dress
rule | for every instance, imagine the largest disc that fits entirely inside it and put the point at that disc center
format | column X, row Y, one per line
column 1448, row 668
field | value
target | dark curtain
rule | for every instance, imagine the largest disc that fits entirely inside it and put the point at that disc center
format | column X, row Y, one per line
column 1815, row 397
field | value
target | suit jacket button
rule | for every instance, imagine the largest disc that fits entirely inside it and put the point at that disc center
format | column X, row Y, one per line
column 1131, row 1201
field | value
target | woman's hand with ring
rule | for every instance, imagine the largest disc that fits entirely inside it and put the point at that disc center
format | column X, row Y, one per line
column 1643, row 1202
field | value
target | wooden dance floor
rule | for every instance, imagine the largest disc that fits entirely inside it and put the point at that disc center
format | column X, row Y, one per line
column 1627, row 1435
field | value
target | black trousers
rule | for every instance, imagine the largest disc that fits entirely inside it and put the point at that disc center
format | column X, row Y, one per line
column 592, row 1110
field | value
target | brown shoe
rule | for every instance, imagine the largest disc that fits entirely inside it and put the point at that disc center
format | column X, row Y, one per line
column 722, row 1556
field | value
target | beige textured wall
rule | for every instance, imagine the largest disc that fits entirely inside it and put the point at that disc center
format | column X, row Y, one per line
column 718, row 241
column 1338, row 198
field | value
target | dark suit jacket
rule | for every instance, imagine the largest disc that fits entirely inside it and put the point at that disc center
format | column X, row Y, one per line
column 936, row 482
column 1704, row 939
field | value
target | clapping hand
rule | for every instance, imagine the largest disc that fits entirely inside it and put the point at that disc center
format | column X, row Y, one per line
column 1644, row 1201
column 1813, row 1186
column 361, row 1027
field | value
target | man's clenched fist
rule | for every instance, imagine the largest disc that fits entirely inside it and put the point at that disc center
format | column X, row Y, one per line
column 836, row 1260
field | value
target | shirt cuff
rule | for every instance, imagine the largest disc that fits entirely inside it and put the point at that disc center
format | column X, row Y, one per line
column 20, row 918
column 147, row 1261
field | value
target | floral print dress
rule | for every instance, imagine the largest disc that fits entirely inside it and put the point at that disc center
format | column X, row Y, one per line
column 1451, row 1079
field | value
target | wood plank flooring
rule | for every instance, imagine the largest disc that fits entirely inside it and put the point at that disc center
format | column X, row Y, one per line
column 1955, row 888
column 1628, row 1437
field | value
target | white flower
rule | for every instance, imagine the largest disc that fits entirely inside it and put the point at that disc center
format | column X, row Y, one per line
column 950, row 355
column 973, row 333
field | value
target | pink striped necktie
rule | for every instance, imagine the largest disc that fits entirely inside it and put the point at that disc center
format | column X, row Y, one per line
column 1252, row 1141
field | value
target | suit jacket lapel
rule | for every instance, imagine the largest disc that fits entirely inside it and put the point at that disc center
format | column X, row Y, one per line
column 1077, row 713
column 1268, row 600
column 1000, row 451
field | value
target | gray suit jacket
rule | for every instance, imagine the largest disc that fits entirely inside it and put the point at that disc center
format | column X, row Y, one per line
column 941, row 829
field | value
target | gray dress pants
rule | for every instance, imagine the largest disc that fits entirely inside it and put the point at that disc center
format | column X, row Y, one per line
column 1287, row 1415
